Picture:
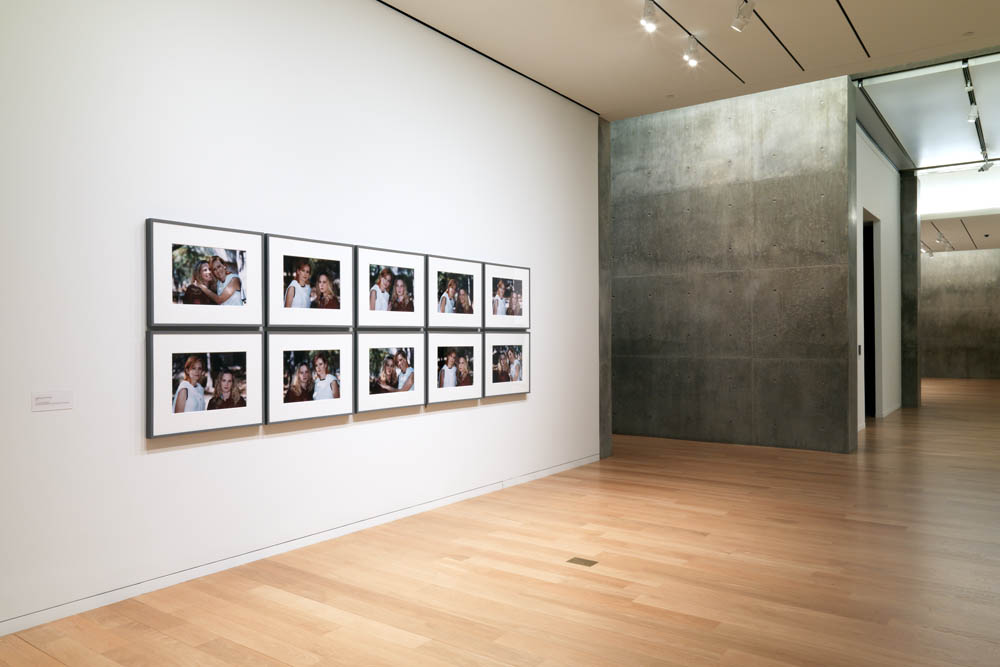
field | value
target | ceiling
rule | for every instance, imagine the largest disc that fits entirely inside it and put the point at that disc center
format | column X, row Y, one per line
column 928, row 109
column 980, row 232
column 596, row 53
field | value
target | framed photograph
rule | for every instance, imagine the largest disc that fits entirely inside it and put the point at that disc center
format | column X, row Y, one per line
column 309, row 375
column 192, row 270
column 454, row 293
column 454, row 366
column 390, row 289
column 309, row 283
column 203, row 381
column 390, row 368
column 509, row 357
column 508, row 297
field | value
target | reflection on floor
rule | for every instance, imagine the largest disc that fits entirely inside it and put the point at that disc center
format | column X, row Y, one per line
column 705, row 554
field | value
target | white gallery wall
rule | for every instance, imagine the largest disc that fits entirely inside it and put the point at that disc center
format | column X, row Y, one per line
column 878, row 192
column 326, row 119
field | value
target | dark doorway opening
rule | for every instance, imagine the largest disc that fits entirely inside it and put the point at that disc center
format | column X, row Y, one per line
column 869, row 299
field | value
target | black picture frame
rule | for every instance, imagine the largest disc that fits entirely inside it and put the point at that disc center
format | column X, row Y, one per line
column 155, row 309
column 152, row 377
column 492, row 325
column 351, row 272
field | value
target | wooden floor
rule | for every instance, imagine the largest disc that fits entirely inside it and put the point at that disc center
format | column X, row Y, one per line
column 706, row 555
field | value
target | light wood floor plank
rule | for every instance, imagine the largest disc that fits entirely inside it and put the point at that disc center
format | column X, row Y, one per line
column 707, row 555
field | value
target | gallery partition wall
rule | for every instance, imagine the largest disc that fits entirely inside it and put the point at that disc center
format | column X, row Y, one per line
column 332, row 121
column 733, row 251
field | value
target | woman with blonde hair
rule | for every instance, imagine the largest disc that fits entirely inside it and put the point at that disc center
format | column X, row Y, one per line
column 464, row 304
column 301, row 387
column 228, row 289
column 515, row 304
column 227, row 395
column 501, row 372
column 404, row 376
column 514, row 365
column 200, row 277
column 401, row 299
column 190, row 395
column 386, row 377
column 325, row 298
column 464, row 373
column 378, row 295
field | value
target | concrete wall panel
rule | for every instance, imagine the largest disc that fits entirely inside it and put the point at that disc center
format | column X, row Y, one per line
column 683, row 315
column 705, row 229
column 801, row 403
column 731, row 259
column 798, row 313
column 960, row 314
column 797, row 220
column 690, row 398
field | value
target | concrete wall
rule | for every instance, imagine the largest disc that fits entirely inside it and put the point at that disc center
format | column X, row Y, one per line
column 878, row 192
column 331, row 120
column 960, row 314
column 604, row 279
column 909, row 280
column 732, row 261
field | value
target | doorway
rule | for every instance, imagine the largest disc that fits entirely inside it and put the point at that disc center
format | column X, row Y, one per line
column 870, row 360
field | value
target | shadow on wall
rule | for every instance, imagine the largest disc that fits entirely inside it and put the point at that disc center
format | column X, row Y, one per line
column 247, row 433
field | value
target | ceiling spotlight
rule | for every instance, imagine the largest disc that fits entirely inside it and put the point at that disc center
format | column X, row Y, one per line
column 743, row 15
column 648, row 20
column 987, row 165
column 973, row 113
column 691, row 52
column 940, row 238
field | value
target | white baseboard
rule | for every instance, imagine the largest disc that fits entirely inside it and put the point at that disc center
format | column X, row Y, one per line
column 545, row 472
column 70, row 608
column 889, row 411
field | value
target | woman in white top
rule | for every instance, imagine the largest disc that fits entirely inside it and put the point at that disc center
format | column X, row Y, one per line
column 297, row 295
column 404, row 380
column 499, row 302
column 190, row 396
column 228, row 287
column 325, row 385
column 515, row 366
column 447, row 303
column 448, row 375
column 379, row 293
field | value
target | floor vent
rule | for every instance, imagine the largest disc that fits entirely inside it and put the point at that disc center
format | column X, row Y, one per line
column 582, row 561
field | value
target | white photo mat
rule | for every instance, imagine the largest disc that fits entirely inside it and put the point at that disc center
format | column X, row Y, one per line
column 278, row 247
column 384, row 318
column 437, row 340
column 162, row 236
column 381, row 340
column 522, row 338
column 278, row 344
column 162, row 346
column 435, row 318
column 494, row 273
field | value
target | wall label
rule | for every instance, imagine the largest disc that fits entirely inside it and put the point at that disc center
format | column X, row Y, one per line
column 44, row 401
